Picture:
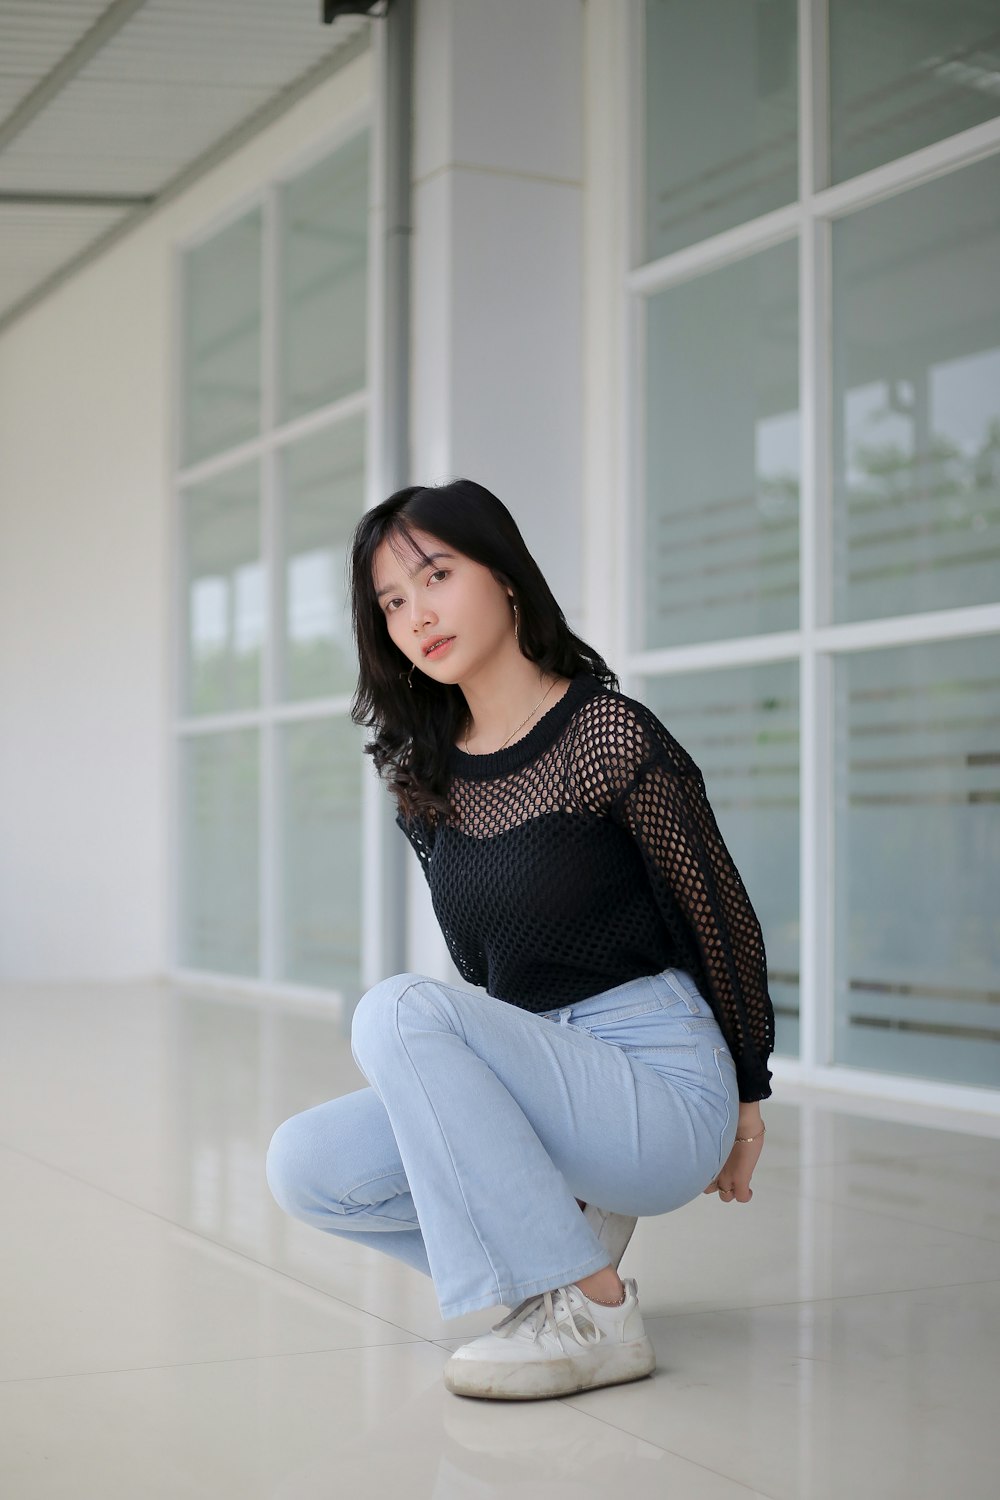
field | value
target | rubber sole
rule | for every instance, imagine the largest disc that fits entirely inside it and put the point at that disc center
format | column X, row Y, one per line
column 501, row 1380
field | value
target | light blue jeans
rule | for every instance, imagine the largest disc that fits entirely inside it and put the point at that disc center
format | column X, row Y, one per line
column 484, row 1124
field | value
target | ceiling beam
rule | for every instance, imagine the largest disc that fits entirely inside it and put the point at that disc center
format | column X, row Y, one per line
column 76, row 200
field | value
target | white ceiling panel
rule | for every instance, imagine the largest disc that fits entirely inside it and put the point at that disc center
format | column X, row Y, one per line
column 118, row 101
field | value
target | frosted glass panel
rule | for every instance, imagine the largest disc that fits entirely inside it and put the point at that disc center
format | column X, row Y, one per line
column 903, row 76
column 741, row 727
column 918, row 850
column 221, row 375
column 721, row 116
column 324, row 499
column 324, row 274
column 220, row 852
column 223, row 592
column 720, row 554
column 916, row 340
column 321, row 766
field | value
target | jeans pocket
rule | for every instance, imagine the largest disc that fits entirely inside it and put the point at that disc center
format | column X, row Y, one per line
column 681, row 1055
column 600, row 1020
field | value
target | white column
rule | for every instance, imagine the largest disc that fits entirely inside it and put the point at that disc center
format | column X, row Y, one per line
column 497, row 293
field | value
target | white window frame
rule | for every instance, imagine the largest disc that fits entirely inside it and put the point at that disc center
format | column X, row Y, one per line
column 615, row 445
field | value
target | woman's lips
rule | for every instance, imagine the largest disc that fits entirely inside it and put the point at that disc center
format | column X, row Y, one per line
column 439, row 650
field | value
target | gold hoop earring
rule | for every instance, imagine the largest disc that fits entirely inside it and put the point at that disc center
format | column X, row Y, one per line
column 409, row 675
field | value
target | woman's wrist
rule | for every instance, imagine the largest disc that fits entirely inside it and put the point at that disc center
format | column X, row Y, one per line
column 749, row 1124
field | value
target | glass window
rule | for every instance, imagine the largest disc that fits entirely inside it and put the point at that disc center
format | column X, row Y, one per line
column 321, row 765
column 741, row 727
column 221, row 378
column 323, row 293
column 903, row 76
column 720, row 555
column 323, row 499
column 220, row 852
column 916, row 373
column 918, row 836
column 721, row 116
column 224, row 593
column 310, row 492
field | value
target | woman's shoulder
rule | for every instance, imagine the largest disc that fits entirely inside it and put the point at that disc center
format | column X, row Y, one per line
column 623, row 735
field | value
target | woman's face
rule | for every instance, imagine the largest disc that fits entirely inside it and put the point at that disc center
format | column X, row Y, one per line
column 449, row 596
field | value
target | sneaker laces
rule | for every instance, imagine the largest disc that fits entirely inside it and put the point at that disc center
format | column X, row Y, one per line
column 549, row 1311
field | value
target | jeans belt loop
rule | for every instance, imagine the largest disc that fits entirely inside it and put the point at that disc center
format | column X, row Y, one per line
column 564, row 1015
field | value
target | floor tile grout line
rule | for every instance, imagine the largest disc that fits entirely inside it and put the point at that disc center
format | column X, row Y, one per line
column 199, row 1364
column 901, row 1218
column 902, row 1291
column 791, row 1192
column 567, row 1403
column 207, row 1240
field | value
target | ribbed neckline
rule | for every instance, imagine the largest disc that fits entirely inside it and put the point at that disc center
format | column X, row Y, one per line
column 539, row 737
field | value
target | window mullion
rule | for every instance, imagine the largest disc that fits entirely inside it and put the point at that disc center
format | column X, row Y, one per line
column 270, row 842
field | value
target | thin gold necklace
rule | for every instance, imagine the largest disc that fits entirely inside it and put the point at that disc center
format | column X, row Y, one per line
column 520, row 726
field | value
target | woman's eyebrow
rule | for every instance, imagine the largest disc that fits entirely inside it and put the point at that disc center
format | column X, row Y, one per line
column 425, row 562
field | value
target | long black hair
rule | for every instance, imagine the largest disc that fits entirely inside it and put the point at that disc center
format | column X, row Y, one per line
column 416, row 726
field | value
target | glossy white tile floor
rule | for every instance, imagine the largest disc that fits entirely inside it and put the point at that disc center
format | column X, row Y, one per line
column 165, row 1331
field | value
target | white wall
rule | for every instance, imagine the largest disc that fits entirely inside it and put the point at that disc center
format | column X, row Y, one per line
column 85, row 418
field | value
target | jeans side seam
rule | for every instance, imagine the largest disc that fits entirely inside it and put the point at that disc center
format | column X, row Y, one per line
column 729, row 1108
column 444, row 1138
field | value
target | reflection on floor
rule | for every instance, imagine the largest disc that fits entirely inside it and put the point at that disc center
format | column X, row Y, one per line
column 168, row 1332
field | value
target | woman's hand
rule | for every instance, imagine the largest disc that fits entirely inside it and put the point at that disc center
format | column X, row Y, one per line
column 733, row 1181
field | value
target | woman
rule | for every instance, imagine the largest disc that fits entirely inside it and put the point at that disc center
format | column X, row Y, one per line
column 620, row 1051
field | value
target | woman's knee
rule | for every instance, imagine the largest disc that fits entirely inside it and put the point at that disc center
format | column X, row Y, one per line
column 288, row 1165
column 374, row 1017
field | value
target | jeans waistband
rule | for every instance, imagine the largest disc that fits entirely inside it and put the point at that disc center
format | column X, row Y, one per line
column 633, row 993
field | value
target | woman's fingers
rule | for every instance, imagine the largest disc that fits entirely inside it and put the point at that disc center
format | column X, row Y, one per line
column 730, row 1192
column 732, row 1182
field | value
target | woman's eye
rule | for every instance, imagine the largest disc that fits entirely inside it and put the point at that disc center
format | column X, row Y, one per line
column 391, row 603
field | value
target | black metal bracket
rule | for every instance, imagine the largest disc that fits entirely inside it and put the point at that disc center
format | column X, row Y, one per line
column 333, row 9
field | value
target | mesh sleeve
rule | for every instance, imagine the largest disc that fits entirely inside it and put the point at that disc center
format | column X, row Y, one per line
column 421, row 839
column 701, row 896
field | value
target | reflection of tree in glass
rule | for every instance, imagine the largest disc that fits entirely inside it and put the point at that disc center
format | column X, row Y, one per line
column 222, row 680
column 943, row 471
column 778, row 497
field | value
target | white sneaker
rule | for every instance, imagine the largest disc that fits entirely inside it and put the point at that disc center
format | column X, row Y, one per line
column 613, row 1230
column 552, row 1345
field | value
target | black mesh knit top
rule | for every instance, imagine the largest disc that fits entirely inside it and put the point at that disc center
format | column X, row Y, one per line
column 586, row 854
